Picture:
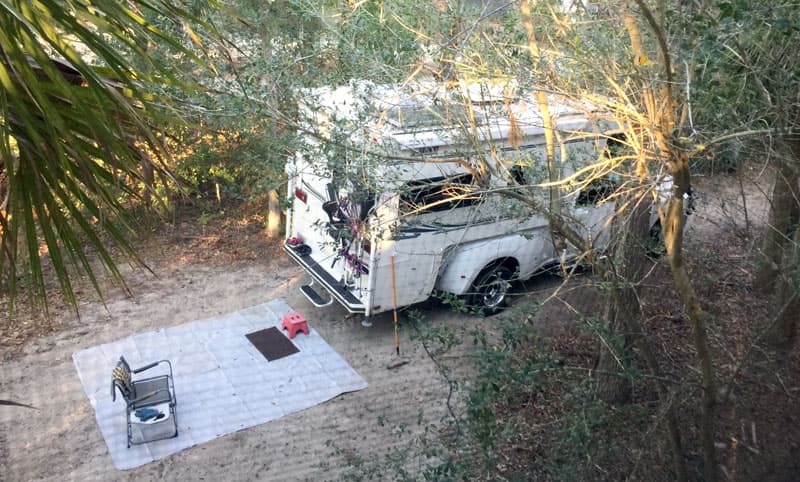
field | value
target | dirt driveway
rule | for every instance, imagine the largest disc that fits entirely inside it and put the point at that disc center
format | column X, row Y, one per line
column 345, row 436
column 61, row 440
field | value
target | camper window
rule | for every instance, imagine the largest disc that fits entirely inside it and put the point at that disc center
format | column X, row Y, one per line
column 516, row 174
column 438, row 194
column 596, row 192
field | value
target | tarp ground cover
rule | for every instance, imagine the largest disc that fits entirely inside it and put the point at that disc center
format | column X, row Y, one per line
column 222, row 382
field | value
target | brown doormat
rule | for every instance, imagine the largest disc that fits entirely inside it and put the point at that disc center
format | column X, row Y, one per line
column 272, row 343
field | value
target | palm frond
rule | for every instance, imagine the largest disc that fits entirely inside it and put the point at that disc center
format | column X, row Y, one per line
column 16, row 404
column 75, row 98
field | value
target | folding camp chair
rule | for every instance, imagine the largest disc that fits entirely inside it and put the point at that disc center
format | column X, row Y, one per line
column 149, row 403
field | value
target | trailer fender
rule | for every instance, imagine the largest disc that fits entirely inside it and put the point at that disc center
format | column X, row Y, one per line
column 462, row 264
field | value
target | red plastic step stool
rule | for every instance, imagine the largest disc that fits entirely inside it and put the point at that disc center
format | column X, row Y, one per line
column 294, row 322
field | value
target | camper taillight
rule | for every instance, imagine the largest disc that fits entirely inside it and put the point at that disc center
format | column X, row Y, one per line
column 300, row 194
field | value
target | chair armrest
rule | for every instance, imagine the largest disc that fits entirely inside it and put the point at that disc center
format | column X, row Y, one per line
column 147, row 367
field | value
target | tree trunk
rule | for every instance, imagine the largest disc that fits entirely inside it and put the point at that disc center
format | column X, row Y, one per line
column 783, row 333
column 622, row 311
column 553, row 167
column 613, row 385
column 274, row 215
column 674, row 222
column 148, row 176
column 784, row 215
column 660, row 105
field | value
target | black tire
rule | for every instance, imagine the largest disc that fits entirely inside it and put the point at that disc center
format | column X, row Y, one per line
column 489, row 293
column 655, row 243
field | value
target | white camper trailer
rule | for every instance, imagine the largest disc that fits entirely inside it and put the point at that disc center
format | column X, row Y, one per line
column 390, row 198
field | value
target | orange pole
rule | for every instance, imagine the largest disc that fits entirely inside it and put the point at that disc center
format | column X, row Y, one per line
column 394, row 311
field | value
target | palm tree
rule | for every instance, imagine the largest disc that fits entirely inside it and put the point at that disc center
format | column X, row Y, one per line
column 73, row 125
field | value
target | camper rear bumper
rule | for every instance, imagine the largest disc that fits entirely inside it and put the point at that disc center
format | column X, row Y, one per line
column 337, row 290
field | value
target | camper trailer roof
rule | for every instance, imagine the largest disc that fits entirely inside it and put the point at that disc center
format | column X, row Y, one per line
column 427, row 114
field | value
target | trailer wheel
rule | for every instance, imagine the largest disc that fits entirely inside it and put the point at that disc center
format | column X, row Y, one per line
column 489, row 294
column 655, row 248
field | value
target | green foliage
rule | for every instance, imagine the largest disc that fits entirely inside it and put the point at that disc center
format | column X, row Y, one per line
column 420, row 455
column 509, row 372
column 76, row 93
column 438, row 340
column 587, row 443
column 516, row 371
column 238, row 166
column 616, row 343
column 516, row 374
column 241, row 133
column 382, row 41
column 371, row 44
column 746, row 77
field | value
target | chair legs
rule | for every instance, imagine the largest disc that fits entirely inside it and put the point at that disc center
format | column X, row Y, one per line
column 151, row 423
column 150, row 408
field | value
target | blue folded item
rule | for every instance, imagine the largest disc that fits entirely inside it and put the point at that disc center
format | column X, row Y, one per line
column 145, row 414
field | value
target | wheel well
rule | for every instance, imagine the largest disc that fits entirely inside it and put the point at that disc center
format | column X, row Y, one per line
column 616, row 141
column 511, row 263
column 476, row 297
column 655, row 230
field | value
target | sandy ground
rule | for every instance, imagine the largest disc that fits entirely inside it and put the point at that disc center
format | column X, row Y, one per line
column 61, row 440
